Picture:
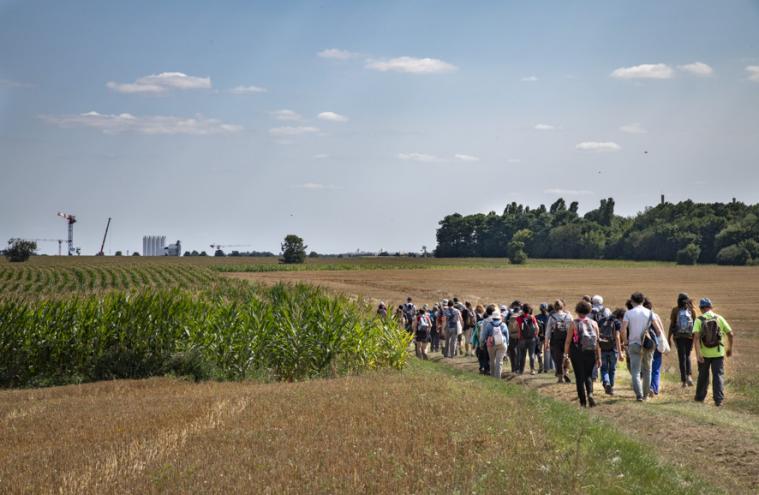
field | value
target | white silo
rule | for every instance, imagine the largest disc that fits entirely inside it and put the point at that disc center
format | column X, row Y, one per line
column 162, row 250
column 144, row 245
column 154, row 251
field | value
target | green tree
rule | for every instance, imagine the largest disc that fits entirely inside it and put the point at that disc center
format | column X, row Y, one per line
column 293, row 250
column 118, row 253
column 19, row 250
column 733, row 255
column 219, row 253
column 517, row 253
column 313, row 254
column 688, row 255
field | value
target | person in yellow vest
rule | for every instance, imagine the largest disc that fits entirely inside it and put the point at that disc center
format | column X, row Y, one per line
column 710, row 331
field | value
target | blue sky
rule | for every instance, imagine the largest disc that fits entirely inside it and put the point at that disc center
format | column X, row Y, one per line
column 361, row 124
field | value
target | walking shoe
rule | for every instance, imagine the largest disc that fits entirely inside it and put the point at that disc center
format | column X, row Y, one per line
column 717, row 404
column 639, row 399
column 532, row 372
column 567, row 379
column 607, row 388
column 561, row 380
column 591, row 401
column 685, row 384
column 689, row 381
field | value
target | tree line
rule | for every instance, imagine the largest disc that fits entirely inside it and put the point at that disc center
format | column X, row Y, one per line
column 686, row 232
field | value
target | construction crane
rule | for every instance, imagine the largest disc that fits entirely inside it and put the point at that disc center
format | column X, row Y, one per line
column 101, row 253
column 71, row 219
column 219, row 246
column 59, row 241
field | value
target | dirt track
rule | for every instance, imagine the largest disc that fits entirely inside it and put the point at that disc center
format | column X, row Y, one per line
column 679, row 429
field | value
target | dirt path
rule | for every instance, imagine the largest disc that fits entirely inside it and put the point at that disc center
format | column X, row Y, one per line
column 721, row 443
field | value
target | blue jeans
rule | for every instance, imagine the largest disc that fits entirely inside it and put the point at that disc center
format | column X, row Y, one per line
column 656, row 372
column 608, row 367
column 639, row 363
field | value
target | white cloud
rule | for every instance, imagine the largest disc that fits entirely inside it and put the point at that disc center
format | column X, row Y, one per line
column 321, row 156
column 411, row 65
column 753, row 72
column 337, row 54
column 644, row 71
column 634, row 128
column 332, row 117
column 697, row 69
column 286, row 115
column 153, row 125
column 161, row 83
column 315, row 186
column 292, row 131
column 544, row 127
column 529, row 79
column 419, row 157
column 466, row 158
column 247, row 90
column 598, row 146
column 567, row 192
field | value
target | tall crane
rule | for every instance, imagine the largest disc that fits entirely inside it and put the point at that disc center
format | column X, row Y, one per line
column 219, row 246
column 101, row 253
column 71, row 220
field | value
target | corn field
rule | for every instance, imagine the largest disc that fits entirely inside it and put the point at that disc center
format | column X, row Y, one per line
column 228, row 331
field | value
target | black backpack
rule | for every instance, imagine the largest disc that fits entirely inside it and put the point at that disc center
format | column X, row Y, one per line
column 560, row 328
column 711, row 334
column 606, row 329
column 528, row 329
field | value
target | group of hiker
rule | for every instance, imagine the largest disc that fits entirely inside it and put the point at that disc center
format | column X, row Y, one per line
column 590, row 342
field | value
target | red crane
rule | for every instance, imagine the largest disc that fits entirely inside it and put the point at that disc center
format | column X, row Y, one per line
column 101, row 253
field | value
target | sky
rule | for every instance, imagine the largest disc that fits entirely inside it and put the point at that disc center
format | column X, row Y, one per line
column 361, row 124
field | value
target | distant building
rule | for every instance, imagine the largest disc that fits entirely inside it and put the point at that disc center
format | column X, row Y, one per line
column 153, row 245
column 173, row 249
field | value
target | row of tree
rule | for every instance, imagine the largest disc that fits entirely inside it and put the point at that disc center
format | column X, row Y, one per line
column 686, row 232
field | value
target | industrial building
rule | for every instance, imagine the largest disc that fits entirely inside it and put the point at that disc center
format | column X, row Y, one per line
column 155, row 245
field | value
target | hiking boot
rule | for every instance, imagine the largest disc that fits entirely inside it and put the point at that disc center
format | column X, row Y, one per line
column 685, row 384
column 717, row 404
column 639, row 399
column 607, row 389
column 689, row 381
column 591, row 401
column 532, row 372
column 567, row 379
column 560, row 380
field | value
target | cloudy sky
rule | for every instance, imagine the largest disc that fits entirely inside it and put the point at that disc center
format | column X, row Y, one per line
column 361, row 124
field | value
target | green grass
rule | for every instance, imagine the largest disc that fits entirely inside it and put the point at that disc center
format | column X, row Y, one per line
column 587, row 454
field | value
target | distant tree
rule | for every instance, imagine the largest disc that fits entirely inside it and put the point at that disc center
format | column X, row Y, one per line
column 397, row 253
column 733, row 255
column 19, row 250
column 194, row 253
column 187, row 253
column 383, row 253
column 424, row 252
column 135, row 253
column 203, row 253
column 688, row 255
column 219, row 253
column 118, row 253
column 313, row 254
column 517, row 253
column 293, row 250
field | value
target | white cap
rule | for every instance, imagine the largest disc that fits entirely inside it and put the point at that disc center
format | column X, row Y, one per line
column 503, row 308
column 496, row 315
column 597, row 300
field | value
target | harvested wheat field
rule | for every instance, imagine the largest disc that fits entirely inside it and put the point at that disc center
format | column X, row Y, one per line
column 678, row 429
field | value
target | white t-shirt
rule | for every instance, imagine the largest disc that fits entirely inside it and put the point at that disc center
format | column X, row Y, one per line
column 638, row 320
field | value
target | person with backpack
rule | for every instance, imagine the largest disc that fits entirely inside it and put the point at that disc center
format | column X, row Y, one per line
column 641, row 330
column 480, row 345
column 453, row 328
column 542, row 320
column 510, row 316
column 583, row 350
column 662, row 347
column 496, row 337
column 610, row 343
column 527, row 328
column 434, row 332
column 709, row 333
column 422, row 328
column 382, row 310
column 598, row 313
column 556, row 336
column 409, row 311
column 681, row 331
column 468, row 319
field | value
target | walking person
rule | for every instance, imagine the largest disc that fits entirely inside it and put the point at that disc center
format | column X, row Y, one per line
column 641, row 330
column 610, row 342
column 409, row 311
column 527, row 327
column 681, row 331
column 510, row 316
column 709, row 332
column 469, row 319
column 434, row 331
column 556, row 336
column 481, row 348
column 662, row 347
column 453, row 328
column 543, row 365
column 382, row 310
column 583, row 350
column 422, row 328
column 496, row 336
column 599, row 313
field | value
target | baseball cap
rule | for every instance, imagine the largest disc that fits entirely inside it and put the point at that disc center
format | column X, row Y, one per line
column 705, row 302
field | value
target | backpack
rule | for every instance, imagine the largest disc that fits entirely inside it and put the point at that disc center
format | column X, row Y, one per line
column 409, row 309
column 606, row 329
column 650, row 340
column 711, row 334
column 423, row 323
column 584, row 337
column 684, row 325
column 468, row 317
column 559, row 332
column 528, row 328
column 497, row 335
column 451, row 321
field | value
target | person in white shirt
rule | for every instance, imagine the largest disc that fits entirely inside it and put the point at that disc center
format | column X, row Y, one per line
column 638, row 344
